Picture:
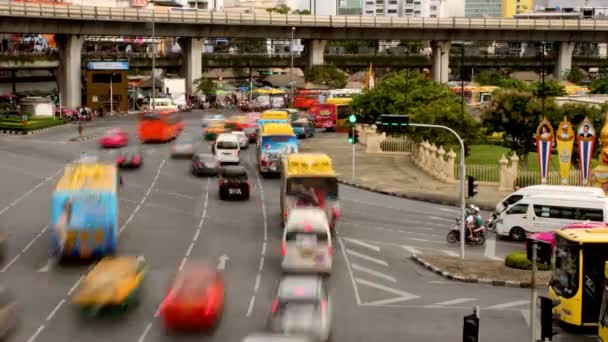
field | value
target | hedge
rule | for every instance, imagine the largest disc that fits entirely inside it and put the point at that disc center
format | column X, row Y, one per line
column 32, row 125
column 519, row 260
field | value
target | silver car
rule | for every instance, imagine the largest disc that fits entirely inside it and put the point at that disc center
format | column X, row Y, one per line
column 302, row 306
column 183, row 147
column 243, row 140
column 8, row 314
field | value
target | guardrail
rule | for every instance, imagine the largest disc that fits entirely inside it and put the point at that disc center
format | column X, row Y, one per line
column 163, row 15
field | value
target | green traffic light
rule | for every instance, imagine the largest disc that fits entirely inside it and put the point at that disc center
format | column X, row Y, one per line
column 350, row 140
column 352, row 118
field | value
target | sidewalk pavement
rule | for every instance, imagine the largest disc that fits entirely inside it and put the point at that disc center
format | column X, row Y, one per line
column 393, row 174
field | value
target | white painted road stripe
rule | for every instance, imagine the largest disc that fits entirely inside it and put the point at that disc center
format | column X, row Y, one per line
column 449, row 210
column 400, row 293
column 350, row 272
column 526, row 314
column 509, row 304
column 374, row 273
column 490, row 248
column 423, row 240
column 454, row 302
column 449, row 253
column 385, row 302
column 411, row 249
column 363, row 244
column 368, row 258
column 437, row 218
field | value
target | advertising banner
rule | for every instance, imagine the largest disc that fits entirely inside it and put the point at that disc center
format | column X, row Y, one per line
column 565, row 144
column 544, row 144
column 586, row 144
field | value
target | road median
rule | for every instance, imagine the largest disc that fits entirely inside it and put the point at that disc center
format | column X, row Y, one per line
column 480, row 270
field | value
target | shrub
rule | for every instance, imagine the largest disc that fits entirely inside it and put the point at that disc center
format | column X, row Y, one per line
column 32, row 125
column 519, row 260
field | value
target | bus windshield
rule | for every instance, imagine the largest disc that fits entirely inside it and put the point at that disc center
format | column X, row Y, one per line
column 299, row 185
column 566, row 275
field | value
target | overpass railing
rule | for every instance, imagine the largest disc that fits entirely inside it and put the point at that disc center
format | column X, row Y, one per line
column 164, row 15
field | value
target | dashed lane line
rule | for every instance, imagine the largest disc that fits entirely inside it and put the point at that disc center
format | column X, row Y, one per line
column 374, row 273
column 508, row 305
column 350, row 272
column 25, row 249
column 453, row 302
column 366, row 257
column 29, row 192
column 411, row 249
column 363, row 244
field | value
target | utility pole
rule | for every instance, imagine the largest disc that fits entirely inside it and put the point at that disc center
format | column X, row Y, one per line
column 542, row 81
column 153, row 58
column 533, row 291
column 111, row 93
column 291, row 83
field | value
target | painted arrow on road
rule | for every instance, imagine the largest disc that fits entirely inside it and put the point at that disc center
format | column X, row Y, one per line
column 221, row 265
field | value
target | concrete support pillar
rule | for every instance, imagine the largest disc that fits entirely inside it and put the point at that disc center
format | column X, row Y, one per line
column 564, row 59
column 441, row 61
column 315, row 51
column 192, row 48
column 69, row 79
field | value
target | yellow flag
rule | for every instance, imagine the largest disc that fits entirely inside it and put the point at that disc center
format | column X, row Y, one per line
column 565, row 143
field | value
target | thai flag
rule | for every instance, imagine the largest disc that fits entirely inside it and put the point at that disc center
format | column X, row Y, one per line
column 585, row 151
column 544, row 157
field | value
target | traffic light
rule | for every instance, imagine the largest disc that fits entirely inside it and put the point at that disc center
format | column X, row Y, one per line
column 467, row 150
column 472, row 186
column 544, row 252
column 393, row 123
column 470, row 329
column 352, row 119
column 546, row 318
column 351, row 136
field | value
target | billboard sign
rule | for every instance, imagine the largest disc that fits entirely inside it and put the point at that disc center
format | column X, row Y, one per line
column 124, row 65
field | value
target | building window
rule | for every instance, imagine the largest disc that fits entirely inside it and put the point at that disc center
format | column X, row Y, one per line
column 369, row 12
column 409, row 2
column 379, row 11
column 392, row 11
column 433, row 8
column 433, row 16
column 416, row 12
column 393, row 2
column 409, row 11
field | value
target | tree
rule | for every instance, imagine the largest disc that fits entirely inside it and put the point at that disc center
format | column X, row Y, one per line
column 249, row 45
column 551, row 88
column 576, row 75
column 517, row 114
column 424, row 100
column 205, row 85
column 301, row 12
column 600, row 84
column 327, row 74
column 281, row 9
column 500, row 79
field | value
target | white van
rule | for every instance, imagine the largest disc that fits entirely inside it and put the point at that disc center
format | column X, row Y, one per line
column 548, row 190
column 162, row 104
column 227, row 149
column 545, row 213
column 307, row 245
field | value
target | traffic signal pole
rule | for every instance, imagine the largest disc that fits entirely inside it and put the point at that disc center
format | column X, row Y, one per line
column 533, row 300
column 463, row 173
column 354, row 138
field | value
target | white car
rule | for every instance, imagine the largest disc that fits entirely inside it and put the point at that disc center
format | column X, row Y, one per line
column 227, row 149
column 307, row 244
column 243, row 140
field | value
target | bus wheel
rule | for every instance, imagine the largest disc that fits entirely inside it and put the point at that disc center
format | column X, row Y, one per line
column 517, row 234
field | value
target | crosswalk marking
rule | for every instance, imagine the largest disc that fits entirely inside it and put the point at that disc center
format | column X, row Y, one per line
column 363, row 244
column 411, row 249
column 437, row 218
column 372, row 272
column 453, row 302
column 400, row 293
column 508, row 304
column 366, row 257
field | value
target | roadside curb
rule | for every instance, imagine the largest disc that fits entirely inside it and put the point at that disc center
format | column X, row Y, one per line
column 437, row 199
column 447, row 275
column 8, row 132
column 85, row 138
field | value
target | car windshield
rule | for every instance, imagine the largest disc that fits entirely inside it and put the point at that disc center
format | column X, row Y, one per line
column 306, row 186
column 227, row 145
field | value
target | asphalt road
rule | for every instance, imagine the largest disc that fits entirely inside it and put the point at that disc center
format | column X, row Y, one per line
column 171, row 217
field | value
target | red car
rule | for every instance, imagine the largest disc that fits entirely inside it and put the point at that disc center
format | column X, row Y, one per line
column 195, row 300
column 114, row 138
column 130, row 158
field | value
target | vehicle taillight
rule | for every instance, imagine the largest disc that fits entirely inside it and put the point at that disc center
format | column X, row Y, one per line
column 330, row 250
column 210, row 304
column 337, row 212
column 264, row 163
column 285, row 213
column 283, row 249
column 324, row 306
column 275, row 306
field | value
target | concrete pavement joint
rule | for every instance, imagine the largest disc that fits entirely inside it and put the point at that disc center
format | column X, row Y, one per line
column 447, row 275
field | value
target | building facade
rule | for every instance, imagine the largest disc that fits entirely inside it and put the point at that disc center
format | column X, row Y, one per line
column 513, row 7
column 483, row 8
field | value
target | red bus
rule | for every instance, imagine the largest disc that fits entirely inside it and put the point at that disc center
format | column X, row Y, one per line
column 325, row 115
column 160, row 126
column 305, row 99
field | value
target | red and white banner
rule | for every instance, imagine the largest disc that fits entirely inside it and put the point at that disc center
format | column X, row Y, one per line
column 139, row 3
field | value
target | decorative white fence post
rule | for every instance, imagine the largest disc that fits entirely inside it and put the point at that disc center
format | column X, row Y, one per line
column 504, row 177
column 450, row 164
column 441, row 164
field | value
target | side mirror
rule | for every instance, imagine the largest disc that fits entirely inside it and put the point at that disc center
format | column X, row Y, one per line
column 505, row 204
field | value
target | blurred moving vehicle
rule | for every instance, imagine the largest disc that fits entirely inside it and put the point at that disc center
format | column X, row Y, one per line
column 84, row 211
column 307, row 245
column 227, row 149
column 261, row 337
column 161, row 104
column 183, row 147
column 303, row 128
column 130, row 158
column 9, row 315
column 205, row 164
column 276, row 141
column 302, row 306
column 211, row 118
column 213, row 130
column 114, row 138
column 159, row 126
column 234, row 183
column 89, row 157
column 243, row 140
column 115, row 282
column 195, row 299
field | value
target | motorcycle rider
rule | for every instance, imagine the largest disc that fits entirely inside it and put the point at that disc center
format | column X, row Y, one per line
column 474, row 220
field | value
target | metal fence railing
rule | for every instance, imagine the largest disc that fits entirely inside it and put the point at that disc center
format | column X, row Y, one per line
column 397, row 144
column 527, row 178
column 481, row 172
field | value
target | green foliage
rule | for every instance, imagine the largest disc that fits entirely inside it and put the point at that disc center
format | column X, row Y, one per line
column 499, row 79
column 205, row 86
column 301, row 12
column 519, row 260
column 327, row 74
column 424, row 100
column 249, row 45
column 576, row 75
column 353, row 46
column 550, row 88
column 281, row 9
column 34, row 124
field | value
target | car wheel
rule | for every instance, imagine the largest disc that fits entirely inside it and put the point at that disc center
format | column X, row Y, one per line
column 517, row 234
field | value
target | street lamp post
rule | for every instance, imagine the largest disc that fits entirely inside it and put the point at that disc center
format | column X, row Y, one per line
column 112, row 93
column 153, row 58
column 293, row 30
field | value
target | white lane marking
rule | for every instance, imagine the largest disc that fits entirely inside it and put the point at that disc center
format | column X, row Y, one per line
column 454, row 302
column 143, row 199
column 411, row 249
column 29, row 192
column 10, row 263
column 509, row 305
column 490, row 248
column 47, row 267
column 75, row 286
column 350, row 272
column 424, row 240
column 374, row 273
column 142, row 337
column 366, row 257
column 363, row 244
column 449, row 253
column 398, row 228
column 384, row 302
column 175, row 194
column 57, row 307
column 34, row 239
column 190, row 248
column 526, row 314
column 400, row 293
column 437, row 218
column 35, row 335
column 258, row 278
column 449, row 210
column 195, row 238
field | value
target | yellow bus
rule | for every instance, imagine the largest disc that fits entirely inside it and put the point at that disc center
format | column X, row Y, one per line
column 274, row 141
column 343, row 110
column 602, row 330
column 309, row 179
column 578, row 275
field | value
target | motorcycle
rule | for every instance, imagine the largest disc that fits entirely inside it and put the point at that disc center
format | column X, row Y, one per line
column 491, row 223
column 479, row 237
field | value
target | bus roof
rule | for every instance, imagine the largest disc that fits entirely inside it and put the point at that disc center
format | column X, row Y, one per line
column 275, row 115
column 276, row 129
column 589, row 235
column 339, row 101
column 84, row 176
column 309, row 164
